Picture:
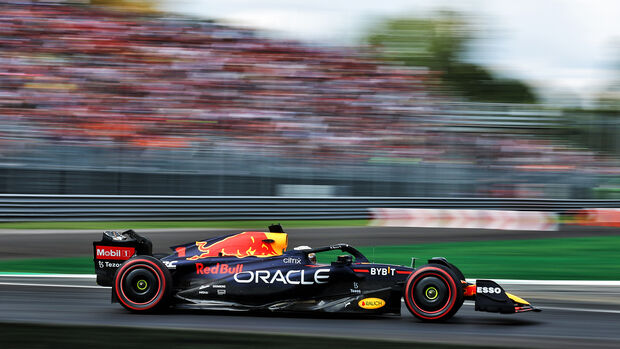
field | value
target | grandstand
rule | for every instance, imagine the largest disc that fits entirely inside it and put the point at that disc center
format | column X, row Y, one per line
column 96, row 101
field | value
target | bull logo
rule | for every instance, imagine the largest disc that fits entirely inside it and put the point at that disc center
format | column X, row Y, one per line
column 245, row 244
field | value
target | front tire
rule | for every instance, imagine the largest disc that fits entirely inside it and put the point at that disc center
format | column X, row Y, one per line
column 433, row 293
column 142, row 284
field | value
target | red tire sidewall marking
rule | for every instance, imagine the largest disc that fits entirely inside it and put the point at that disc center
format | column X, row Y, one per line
column 449, row 294
column 135, row 263
column 143, row 266
column 444, row 277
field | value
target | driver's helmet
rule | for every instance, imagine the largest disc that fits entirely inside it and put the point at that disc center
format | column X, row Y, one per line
column 311, row 256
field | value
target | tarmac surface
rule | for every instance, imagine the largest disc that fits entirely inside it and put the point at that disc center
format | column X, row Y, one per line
column 574, row 315
column 584, row 320
column 69, row 243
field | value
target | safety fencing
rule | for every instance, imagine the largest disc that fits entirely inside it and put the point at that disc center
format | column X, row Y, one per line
column 27, row 207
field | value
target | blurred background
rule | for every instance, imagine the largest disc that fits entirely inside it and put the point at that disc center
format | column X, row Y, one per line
column 406, row 128
column 357, row 98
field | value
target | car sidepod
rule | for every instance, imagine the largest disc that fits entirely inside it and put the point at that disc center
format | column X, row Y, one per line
column 286, row 283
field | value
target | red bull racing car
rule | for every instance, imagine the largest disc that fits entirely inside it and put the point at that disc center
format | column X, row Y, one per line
column 253, row 271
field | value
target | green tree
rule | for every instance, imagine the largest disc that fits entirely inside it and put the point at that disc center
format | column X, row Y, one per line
column 439, row 43
column 608, row 99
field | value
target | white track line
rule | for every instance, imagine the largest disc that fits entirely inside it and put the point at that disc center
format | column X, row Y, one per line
column 586, row 310
column 36, row 275
column 582, row 309
column 552, row 282
column 468, row 303
column 472, row 280
column 50, row 285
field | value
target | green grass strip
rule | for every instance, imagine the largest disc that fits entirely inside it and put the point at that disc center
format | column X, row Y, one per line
column 22, row 336
column 184, row 224
column 589, row 258
column 66, row 265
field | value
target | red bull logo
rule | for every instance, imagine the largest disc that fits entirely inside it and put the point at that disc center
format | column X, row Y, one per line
column 245, row 244
column 201, row 269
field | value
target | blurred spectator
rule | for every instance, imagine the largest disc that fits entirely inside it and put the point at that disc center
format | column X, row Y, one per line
column 78, row 74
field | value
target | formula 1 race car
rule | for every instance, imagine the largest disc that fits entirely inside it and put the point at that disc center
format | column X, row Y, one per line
column 253, row 271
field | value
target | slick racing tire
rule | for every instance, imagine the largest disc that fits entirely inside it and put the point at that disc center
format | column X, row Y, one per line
column 461, row 277
column 433, row 293
column 142, row 284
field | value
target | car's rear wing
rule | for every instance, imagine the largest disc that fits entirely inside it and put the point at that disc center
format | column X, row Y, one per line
column 115, row 248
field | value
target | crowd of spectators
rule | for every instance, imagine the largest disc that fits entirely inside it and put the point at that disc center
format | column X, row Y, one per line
column 78, row 74
column 86, row 75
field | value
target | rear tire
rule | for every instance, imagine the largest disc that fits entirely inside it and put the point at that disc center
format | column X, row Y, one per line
column 142, row 284
column 433, row 293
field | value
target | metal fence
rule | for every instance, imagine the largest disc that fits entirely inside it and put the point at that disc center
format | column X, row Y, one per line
column 27, row 207
column 252, row 175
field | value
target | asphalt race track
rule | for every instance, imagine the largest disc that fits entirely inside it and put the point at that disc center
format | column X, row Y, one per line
column 578, row 319
column 573, row 315
column 57, row 243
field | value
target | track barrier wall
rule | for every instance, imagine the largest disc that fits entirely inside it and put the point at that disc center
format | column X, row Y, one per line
column 465, row 219
column 31, row 207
